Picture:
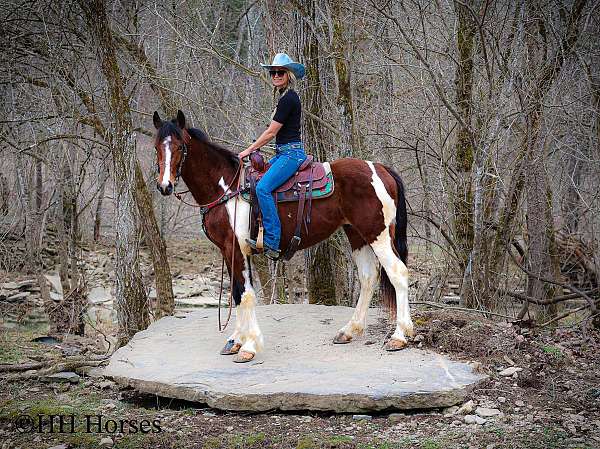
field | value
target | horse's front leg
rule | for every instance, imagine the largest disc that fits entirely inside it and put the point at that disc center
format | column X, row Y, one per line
column 247, row 338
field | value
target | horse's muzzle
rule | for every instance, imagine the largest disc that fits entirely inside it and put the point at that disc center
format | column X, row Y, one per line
column 165, row 190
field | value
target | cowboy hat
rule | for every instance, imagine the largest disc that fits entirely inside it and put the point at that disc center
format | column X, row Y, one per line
column 283, row 60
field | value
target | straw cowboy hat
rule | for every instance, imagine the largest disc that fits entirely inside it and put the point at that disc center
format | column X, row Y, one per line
column 283, row 60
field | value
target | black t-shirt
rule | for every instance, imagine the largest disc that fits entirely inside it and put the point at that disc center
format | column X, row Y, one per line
column 288, row 114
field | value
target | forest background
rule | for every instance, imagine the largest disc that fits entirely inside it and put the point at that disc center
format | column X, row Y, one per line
column 489, row 110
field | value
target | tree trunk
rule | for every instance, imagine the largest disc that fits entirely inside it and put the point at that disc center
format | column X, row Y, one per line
column 158, row 250
column 540, row 75
column 318, row 259
column 104, row 174
column 462, row 202
column 131, row 301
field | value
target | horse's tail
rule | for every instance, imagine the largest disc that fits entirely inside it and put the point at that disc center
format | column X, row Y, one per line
column 388, row 293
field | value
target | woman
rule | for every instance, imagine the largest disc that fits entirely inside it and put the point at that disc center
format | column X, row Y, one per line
column 285, row 127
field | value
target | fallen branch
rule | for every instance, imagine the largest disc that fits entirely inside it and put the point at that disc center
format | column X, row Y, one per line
column 591, row 303
column 563, row 315
column 462, row 309
column 544, row 302
column 8, row 368
column 39, row 369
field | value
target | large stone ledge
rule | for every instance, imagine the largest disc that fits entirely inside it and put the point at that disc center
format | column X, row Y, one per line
column 300, row 369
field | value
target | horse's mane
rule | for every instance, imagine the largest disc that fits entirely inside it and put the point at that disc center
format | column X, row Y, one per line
column 229, row 155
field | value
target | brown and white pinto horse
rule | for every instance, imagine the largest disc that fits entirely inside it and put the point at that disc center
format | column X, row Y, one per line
column 368, row 202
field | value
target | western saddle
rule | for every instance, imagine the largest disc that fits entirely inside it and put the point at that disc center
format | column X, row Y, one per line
column 311, row 180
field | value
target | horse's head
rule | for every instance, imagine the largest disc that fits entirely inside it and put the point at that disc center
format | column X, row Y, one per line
column 171, row 148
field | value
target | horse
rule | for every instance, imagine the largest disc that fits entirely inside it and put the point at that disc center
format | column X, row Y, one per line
column 368, row 202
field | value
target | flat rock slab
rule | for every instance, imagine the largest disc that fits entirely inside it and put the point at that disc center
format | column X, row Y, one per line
column 300, row 368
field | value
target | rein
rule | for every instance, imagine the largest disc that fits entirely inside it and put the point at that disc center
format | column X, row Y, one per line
column 204, row 209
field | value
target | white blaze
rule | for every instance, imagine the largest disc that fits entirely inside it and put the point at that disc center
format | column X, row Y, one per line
column 167, row 167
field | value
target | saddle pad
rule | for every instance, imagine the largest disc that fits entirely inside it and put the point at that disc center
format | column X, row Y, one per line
column 320, row 190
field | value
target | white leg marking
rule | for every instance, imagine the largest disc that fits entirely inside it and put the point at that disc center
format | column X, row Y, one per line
column 368, row 273
column 394, row 267
column 167, row 167
column 250, row 334
column 247, row 330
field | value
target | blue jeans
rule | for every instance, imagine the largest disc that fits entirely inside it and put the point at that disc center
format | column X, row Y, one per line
column 285, row 163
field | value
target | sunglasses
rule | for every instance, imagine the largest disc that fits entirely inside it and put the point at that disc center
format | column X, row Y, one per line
column 277, row 72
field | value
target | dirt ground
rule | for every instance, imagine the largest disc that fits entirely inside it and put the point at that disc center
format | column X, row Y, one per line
column 552, row 401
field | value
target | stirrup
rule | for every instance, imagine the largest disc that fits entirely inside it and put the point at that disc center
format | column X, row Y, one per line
column 273, row 254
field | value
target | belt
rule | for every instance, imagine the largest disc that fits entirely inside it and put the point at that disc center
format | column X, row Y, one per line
column 288, row 146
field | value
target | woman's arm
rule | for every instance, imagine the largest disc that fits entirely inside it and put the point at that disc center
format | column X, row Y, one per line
column 264, row 138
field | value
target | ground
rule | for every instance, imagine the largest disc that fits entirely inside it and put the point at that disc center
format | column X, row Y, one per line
column 553, row 402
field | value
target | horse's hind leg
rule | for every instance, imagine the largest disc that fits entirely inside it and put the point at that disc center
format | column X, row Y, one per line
column 368, row 273
column 398, row 275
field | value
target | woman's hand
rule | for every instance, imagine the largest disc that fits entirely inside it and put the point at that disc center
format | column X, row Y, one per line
column 247, row 152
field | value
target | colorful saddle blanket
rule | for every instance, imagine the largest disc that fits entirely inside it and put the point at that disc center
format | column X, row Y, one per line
column 315, row 178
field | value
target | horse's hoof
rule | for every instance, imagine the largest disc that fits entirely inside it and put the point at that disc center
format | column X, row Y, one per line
column 243, row 357
column 230, row 348
column 395, row 345
column 342, row 339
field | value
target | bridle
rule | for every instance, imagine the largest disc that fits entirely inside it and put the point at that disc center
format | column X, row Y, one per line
column 184, row 152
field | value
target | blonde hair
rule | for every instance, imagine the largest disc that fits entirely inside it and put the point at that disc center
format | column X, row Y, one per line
column 290, row 85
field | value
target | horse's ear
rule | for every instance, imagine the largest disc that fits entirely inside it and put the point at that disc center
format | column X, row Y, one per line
column 180, row 119
column 157, row 121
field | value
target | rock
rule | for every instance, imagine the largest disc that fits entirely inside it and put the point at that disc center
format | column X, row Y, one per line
column 520, row 403
column 501, row 399
column 466, row 408
column 362, row 417
column 54, row 281
column 396, row 417
column 299, row 370
column 98, row 295
column 474, row 419
column 509, row 360
column 510, row 371
column 106, row 442
column 18, row 297
column 46, row 339
column 106, row 384
column 198, row 301
column 519, row 339
column 485, row 412
column 10, row 286
column 419, row 338
column 26, row 284
column 64, row 377
column 449, row 411
column 60, row 446
column 477, row 366
column 56, row 296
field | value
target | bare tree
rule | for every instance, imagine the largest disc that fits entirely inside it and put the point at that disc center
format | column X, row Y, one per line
column 131, row 300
